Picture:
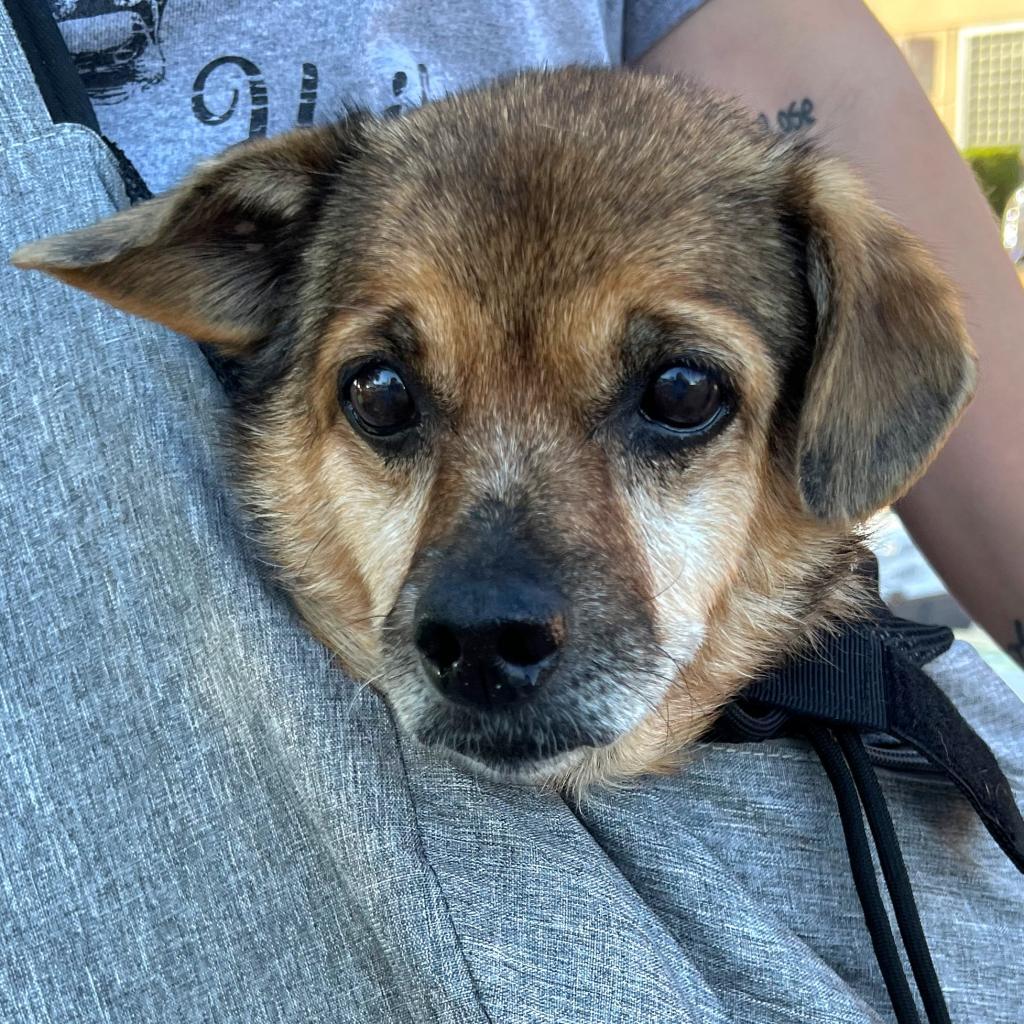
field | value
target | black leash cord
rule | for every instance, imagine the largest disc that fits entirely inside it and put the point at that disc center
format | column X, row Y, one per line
column 869, row 677
column 897, row 880
column 863, row 870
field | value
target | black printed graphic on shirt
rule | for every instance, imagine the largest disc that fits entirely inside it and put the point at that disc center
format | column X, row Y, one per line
column 242, row 70
column 399, row 89
column 258, row 96
column 115, row 44
column 259, row 99
column 117, row 48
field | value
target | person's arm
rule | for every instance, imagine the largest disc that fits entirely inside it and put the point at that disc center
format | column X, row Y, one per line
column 830, row 61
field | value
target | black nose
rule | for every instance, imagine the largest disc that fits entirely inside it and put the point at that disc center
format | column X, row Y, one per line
column 489, row 647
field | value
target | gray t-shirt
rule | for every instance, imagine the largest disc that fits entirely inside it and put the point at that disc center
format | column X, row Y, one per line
column 176, row 80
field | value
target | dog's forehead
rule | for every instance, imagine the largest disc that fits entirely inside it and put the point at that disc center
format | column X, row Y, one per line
column 530, row 220
column 509, row 199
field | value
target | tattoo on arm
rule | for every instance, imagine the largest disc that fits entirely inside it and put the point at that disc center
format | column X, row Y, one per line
column 1016, row 649
column 799, row 114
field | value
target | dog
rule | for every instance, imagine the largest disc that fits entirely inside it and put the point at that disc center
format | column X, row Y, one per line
column 558, row 403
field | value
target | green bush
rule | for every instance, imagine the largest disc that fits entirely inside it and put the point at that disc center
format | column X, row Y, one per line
column 998, row 170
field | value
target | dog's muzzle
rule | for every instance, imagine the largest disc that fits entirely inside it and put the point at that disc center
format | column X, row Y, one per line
column 519, row 653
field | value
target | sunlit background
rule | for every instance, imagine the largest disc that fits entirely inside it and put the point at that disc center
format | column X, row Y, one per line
column 968, row 56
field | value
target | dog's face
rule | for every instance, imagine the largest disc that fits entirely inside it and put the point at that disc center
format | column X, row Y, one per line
column 556, row 401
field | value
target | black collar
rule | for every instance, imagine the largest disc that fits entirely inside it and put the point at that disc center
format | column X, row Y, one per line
column 868, row 676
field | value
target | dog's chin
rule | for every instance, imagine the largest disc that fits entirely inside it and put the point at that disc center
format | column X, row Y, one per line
column 523, row 762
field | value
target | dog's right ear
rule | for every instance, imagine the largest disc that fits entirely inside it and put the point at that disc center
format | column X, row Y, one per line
column 209, row 258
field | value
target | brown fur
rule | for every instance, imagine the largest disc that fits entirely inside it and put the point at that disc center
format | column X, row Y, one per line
column 524, row 246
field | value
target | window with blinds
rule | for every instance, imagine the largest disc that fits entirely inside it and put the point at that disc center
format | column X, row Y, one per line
column 991, row 78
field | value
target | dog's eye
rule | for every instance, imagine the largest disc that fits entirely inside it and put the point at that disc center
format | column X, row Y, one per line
column 686, row 398
column 378, row 401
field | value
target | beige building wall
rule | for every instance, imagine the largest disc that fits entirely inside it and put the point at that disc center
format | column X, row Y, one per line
column 911, row 17
column 941, row 21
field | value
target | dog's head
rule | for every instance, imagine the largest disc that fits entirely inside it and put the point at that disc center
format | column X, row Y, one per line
column 557, row 401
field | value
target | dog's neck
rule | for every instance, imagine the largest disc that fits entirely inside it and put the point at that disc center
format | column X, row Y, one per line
column 780, row 603
column 779, row 606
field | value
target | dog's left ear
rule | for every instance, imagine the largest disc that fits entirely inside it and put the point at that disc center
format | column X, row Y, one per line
column 210, row 257
column 892, row 366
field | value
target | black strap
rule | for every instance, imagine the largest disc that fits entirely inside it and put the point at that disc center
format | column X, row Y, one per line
column 59, row 83
column 55, row 73
column 868, row 677
column 922, row 715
